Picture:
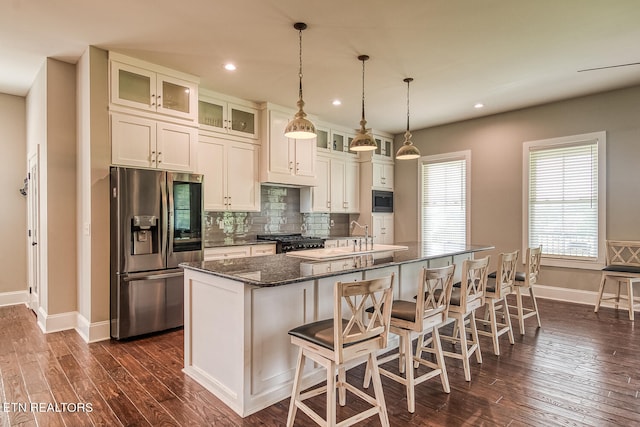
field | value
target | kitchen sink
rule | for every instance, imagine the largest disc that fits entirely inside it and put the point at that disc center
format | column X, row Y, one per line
column 327, row 253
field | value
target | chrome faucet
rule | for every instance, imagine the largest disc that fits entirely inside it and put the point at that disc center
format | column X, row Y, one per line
column 366, row 234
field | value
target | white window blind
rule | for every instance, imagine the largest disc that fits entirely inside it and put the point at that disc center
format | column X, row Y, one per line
column 444, row 202
column 563, row 199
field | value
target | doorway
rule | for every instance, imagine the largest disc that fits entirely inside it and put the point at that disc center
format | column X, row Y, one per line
column 33, row 230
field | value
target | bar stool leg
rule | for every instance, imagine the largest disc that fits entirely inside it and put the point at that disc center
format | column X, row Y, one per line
column 377, row 388
column 342, row 391
column 295, row 395
column 419, row 345
column 630, row 295
column 520, row 309
column 600, row 292
column 507, row 319
column 437, row 348
column 474, row 335
column 491, row 309
column 535, row 305
column 465, row 352
column 331, row 394
column 409, row 374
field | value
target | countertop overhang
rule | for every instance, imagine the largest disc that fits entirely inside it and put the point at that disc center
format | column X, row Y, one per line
column 280, row 269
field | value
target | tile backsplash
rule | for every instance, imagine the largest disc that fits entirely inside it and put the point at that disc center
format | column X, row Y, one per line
column 279, row 213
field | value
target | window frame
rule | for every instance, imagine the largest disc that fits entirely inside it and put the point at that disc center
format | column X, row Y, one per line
column 555, row 260
column 441, row 158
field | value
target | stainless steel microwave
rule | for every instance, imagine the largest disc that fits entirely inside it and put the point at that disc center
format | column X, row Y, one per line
column 382, row 201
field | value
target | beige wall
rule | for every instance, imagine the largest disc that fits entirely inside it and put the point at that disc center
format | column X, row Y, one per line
column 13, row 215
column 51, row 127
column 496, row 170
column 94, row 158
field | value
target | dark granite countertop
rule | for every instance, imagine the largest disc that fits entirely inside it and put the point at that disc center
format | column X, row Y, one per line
column 281, row 269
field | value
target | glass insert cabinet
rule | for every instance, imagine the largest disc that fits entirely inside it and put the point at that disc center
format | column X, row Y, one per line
column 225, row 117
column 148, row 90
column 384, row 146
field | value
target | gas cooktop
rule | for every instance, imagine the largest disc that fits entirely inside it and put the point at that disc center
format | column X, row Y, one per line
column 293, row 241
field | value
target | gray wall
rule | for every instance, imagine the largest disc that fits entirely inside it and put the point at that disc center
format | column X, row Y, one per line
column 496, row 170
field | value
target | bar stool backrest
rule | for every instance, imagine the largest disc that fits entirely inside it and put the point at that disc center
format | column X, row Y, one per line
column 532, row 265
column 506, row 274
column 434, row 293
column 356, row 332
column 473, row 283
column 625, row 253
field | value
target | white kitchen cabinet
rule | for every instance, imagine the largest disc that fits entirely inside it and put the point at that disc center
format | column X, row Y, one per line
column 286, row 161
column 145, row 89
column 382, row 174
column 382, row 228
column 338, row 188
column 147, row 143
column 352, row 186
column 259, row 250
column 231, row 174
column 322, row 139
column 228, row 252
column 227, row 117
column 317, row 199
column 384, row 147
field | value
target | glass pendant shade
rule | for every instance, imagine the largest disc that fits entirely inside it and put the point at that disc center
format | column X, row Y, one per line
column 408, row 151
column 300, row 127
column 363, row 141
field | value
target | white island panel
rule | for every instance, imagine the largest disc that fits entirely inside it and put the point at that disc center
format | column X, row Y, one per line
column 276, row 310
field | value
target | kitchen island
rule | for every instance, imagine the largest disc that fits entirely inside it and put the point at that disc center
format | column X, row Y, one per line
column 238, row 312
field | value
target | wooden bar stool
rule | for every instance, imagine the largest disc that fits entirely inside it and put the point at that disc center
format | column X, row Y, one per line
column 499, row 285
column 335, row 342
column 623, row 266
column 524, row 283
column 416, row 318
column 465, row 299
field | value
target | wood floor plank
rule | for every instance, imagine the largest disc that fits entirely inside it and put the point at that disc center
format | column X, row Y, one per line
column 579, row 369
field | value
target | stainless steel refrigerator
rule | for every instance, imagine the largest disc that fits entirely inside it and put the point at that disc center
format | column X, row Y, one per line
column 156, row 223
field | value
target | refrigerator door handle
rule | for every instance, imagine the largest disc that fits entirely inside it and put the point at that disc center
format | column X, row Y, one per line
column 166, row 222
column 152, row 276
column 170, row 223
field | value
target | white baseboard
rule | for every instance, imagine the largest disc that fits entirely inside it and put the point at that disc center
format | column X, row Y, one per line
column 14, row 298
column 576, row 296
column 93, row 332
column 90, row 332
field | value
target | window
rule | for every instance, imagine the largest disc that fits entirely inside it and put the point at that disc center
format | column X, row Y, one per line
column 445, row 200
column 564, row 199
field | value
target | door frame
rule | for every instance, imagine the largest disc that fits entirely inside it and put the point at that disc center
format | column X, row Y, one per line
column 33, row 230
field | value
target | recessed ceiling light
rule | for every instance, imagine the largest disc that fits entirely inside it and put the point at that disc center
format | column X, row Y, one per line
column 337, row 102
column 229, row 67
column 478, row 105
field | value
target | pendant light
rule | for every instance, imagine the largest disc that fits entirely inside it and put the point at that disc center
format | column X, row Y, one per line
column 363, row 141
column 300, row 127
column 408, row 150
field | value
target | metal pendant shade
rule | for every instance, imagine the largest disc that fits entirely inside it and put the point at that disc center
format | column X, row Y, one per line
column 300, row 127
column 363, row 141
column 408, row 151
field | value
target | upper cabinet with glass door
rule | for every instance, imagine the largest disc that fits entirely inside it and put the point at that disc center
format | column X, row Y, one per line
column 222, row 116
column 384, row 146
column 145, row 88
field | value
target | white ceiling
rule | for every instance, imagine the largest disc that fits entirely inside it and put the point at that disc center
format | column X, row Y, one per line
column 507, row 54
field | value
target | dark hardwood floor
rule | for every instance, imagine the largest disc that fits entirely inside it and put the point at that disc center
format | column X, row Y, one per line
column 581, row 368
